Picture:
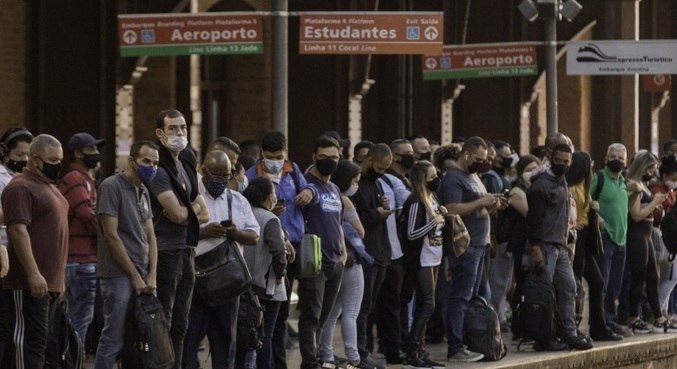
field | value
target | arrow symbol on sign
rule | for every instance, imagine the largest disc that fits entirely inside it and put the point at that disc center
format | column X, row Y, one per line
column 129, row 37
column 430, row 33
column 431, row 63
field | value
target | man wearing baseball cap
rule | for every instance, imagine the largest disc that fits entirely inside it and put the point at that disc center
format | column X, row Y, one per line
column 79, row 188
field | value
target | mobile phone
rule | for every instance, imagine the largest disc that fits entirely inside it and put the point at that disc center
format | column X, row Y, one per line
column 280, row 202
column 227, row 223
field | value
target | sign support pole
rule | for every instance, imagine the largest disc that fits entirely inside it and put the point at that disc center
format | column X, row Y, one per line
column 551, row 73
column 280, row 90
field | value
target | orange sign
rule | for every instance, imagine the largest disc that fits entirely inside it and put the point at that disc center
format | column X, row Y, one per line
column 656, row 82
column 183, row 34
column 371, row 33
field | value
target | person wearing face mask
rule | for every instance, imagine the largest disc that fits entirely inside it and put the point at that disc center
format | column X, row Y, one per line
column 14, row 145
column 403, row 160
column 610, row 189
column 422, row 256
column 641, row 256
column 78, row 186
column 178, row 211
column 293, row 193
column 347, row 306
column 267, row 262
column 36, row 215
column 127, row 248
column 547, row 233
column 323, row 214
column 218, row 322
column 374, row 208
column 421, row 147
column 463, row 193
column 238, row 181
column 667, row 269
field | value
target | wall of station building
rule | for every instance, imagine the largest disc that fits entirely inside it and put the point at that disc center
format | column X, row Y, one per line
column 12, row 65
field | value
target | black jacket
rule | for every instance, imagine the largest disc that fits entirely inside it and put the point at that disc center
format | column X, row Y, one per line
column 366, row 200
column 548, row 215
column 414, row 226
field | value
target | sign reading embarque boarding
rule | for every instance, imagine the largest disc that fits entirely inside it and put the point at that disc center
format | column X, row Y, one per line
column 481, row 61
column 184, row 34
column 371, row 33
column 622, row 57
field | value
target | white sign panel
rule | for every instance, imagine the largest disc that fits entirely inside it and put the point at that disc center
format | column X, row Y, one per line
column 622, row 57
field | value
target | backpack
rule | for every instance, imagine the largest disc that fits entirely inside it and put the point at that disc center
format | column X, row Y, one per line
column 64, row 348
column 669, row 232
column 148, row 344
column 482, row 330
column 309, row 257
column 249, row 322
column 534, row 309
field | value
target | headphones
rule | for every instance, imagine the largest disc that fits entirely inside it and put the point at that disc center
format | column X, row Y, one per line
column 4, row 145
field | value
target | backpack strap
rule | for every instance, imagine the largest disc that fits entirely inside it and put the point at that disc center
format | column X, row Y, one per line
column 388, row 182
column 295, row 177
column 229, row 198
column 600, row 185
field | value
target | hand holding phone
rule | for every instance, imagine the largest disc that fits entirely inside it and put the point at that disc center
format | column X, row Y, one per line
column 226, row 223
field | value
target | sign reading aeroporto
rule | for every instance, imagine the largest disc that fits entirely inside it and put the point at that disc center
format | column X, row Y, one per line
column 371, row 33
column 183, row 34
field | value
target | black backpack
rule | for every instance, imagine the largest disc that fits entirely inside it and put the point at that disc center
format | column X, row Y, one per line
column 482, row 330
column 534, row 309
column 64, row 348
column 249, row 321
column 148, row 344
column 669, row 231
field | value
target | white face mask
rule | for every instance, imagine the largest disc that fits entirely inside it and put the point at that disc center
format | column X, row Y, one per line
column 273, row 166
column 671, row 184
column 351, row 190
column 526, row 176
column 241, row 186
column 176, row 143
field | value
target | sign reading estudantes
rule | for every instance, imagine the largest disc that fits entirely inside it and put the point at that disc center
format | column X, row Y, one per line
column 183, row 34
column 371, row 33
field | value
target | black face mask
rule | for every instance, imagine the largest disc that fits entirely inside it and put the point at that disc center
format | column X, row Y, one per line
column 326, row 166
column 407, row 161
column 485, row 167
column 425, row 156
column 647, row 177
column 16, row 166
column 559, row 169
column 506, row 162
column 373, row 175
column 91, row 160
column 434, row 184
column 475, row 166
column 615, row 166
column 51, row 171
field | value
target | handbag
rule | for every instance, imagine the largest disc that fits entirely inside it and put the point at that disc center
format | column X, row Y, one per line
column 455, row 236
column 594, row 240
column 221, row 273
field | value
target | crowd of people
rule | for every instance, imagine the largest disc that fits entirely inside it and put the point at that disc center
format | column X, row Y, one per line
column 379, row 212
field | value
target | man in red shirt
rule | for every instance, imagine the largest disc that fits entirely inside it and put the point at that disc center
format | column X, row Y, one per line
column 36, row 215
column 79, row 188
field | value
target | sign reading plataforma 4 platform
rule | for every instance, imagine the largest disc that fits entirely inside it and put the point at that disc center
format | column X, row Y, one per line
column 183, row 34
column 622, row 57
column 371, row 33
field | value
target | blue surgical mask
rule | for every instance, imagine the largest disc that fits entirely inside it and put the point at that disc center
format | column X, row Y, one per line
column 273, row 166
column 146, row 173
column 241, row 186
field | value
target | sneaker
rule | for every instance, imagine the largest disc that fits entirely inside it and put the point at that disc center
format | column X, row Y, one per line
column 432, row 364
column 329, row 365
column 415, row 362
column 621, row 330
column 369, row 362
column 552, row 345
column 360, row 365
column 579, row 343
column 395, row 356
column 340, row 360
column 465, row 356
column 607, row 335
column 671, row 326
column 640, row 327
column 660, row 327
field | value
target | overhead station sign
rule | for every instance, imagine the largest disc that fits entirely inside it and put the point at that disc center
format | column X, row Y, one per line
column 622, row 57
column 371, row 33
column 481, row 61
column 184, row 34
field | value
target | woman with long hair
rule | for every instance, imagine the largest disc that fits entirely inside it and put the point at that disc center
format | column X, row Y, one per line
column 585, row 266
column 423, row 219
column 641, row 256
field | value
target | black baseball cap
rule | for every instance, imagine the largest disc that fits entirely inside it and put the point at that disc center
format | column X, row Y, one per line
column 333, row 134
column 83, row 139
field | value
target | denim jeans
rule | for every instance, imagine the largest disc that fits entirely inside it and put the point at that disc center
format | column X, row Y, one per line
column 500, row 279
column 466, row 273
column 23, row 328
column 560, row 272
column 219, row 323
column 116, row 294
column 81, row 294
column 374, row 275
column 175, row 281
column 425, row 280
column 347, row 306
column 317, row 296
column 612, row 265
